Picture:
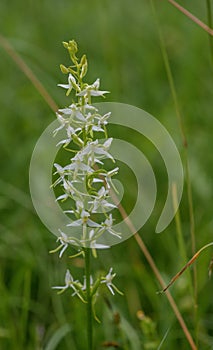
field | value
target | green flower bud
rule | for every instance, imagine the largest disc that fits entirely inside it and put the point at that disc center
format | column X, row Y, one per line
column 72, row 46
column 83, row 60
column 65, row 44
column 83, row 70
column 64, row 69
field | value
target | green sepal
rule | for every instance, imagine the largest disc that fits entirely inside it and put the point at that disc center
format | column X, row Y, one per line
column 77, row 140
column 83, row 66
column 56, row 249
column 76, row 255
column 95, row 287
column 89, row 187
column 83, row 60
column 80, row 292
column 93, row 309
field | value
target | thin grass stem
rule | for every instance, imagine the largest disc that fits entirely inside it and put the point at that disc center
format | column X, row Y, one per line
column 28, row 72
column 180, row 238
column 25, row 306
column 192, row 17
column 189, row 263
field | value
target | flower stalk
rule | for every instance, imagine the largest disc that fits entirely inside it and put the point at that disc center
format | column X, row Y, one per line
column 89, row 299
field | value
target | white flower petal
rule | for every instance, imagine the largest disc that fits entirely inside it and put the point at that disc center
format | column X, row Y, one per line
column 64, row 86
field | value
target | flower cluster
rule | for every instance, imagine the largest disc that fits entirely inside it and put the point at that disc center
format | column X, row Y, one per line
column 80, row 288
column 85, row 181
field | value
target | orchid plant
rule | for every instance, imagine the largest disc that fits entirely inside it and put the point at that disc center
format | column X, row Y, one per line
column 85, row 182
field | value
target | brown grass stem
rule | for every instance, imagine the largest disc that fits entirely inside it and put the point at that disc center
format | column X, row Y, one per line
column 189, row 263
column 28, row 72
column 192, row 17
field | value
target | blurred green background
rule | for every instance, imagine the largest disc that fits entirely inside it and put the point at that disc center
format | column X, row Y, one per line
column 121, row 40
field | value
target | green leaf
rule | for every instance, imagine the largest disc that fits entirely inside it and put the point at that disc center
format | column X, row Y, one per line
column 57, row 337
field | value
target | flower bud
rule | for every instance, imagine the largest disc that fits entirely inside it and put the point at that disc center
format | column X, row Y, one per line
column 83, row 60
column 64, row 69
column 83, row 71
column 72, row 46
column 65, row 44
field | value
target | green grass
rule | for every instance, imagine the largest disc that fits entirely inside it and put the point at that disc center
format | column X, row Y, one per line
column 121, row 40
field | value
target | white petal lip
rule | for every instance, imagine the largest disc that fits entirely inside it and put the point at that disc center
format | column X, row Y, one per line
column 107, row 143
column 67, row 141
column 68, row 277
column 92, row 108
column 63, row 196
column 92, row 93
column 80, row 116
column 97, row 128
column 63, row 250
column 99, row 246
column 58, row 167
column 92, row 223
column 64, row 86
column 67, row 111
column 69, row 211
column 71, row 79
column 98, row 93
column 97, row 180
column 96, row 84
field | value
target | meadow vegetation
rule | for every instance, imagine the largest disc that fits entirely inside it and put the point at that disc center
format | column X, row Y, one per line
column 147, row 54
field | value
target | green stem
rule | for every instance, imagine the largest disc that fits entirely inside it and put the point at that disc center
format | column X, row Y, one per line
column 89, row 300
column 181, row 243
